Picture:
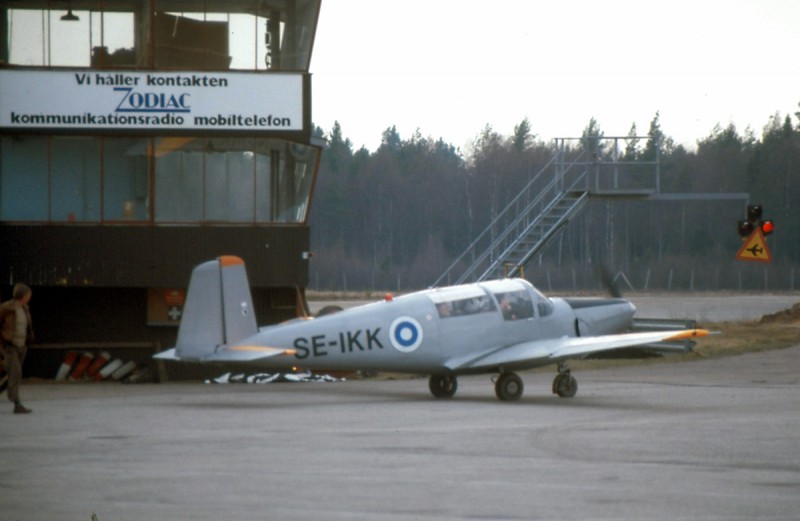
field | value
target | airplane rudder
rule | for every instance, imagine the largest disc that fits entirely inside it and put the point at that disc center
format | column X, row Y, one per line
column 237, row 300
column 226, row 261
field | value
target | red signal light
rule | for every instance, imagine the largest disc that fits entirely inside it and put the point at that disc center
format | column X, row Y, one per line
column 754, row 220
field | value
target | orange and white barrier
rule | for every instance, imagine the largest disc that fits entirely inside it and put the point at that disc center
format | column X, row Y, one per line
column 86, row 365
column 83, row 363
column 123, row 371
column 108, row 370
column 100, row 361
column 66, row 366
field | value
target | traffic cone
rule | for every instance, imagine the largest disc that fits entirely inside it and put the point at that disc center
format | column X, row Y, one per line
column 66, row 366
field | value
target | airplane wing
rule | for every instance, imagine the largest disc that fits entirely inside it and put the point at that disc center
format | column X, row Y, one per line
column 553, row 350
column 237, row 353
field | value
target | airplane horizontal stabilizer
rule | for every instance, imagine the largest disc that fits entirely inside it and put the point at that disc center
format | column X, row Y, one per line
column 168, row 354
column 230, row 354
column 247, row 353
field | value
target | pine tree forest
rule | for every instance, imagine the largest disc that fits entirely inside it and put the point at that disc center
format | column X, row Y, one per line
column 394, row 219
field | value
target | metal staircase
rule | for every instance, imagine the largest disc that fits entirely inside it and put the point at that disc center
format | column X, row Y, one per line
column 541, row 210
column 595, row 167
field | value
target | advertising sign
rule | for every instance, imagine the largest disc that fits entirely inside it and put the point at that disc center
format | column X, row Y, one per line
column 124, row 100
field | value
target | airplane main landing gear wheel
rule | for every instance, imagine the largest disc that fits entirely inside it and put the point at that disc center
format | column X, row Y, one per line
column 443, row 386
column 565, row 385
column 508, row 387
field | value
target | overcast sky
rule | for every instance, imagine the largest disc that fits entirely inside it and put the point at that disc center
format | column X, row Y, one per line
column 450, row 67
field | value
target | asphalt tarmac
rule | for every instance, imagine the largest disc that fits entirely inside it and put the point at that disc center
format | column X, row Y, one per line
column 703, row 440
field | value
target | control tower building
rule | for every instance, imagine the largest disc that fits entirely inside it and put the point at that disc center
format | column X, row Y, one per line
column 139, row 138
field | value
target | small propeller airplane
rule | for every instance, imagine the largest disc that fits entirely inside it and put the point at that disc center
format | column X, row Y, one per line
column 495, row 327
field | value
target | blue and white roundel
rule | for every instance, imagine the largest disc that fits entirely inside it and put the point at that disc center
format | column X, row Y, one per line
column 405, row 334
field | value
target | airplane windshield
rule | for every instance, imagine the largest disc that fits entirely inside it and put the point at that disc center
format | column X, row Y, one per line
column 460, row 301
column 543, row 304
column 515, row 305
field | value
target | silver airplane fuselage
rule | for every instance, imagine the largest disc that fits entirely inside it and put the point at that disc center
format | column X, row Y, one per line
column 424, row 332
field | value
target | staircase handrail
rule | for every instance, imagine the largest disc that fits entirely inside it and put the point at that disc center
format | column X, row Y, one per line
column 491, row 225
column 544, row 213
column 541, row 215
column 558, row 177
column 546, row 236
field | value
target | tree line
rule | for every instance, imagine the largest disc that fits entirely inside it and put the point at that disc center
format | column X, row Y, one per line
column 396, row 217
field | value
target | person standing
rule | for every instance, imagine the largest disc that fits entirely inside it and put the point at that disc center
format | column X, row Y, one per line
column 17, row 331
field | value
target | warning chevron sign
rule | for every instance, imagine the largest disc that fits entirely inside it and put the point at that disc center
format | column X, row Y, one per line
column 755, row 248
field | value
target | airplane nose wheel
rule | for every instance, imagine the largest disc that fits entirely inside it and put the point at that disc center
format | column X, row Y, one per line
column 443, row 386
column 508, row 387
column 564, row 384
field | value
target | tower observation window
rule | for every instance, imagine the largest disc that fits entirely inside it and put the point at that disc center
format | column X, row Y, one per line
column 229, row 180
column 163, row 180
column 257, row 35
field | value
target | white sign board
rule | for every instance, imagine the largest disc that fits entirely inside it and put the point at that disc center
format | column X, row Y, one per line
column 124, row 100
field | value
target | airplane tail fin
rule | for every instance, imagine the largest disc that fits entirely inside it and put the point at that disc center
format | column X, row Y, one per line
column 218, row 309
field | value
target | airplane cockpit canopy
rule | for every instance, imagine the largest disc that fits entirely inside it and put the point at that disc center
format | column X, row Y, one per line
column 461, row 301
column 517, row 300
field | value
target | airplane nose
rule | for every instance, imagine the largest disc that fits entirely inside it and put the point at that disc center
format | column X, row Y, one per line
column 624, row 316
column 603, row 316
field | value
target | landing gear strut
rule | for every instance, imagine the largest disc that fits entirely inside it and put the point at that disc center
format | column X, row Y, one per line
column 564, row 384
column 442, row 386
